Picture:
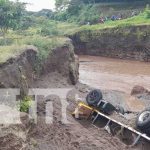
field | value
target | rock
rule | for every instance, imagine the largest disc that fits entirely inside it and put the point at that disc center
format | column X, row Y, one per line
column 138, row 90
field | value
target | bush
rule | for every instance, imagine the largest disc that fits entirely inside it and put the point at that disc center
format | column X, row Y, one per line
column 82, row 14
column 25, row 104
column 61, row 16
column 48, row 28
column 89, row 13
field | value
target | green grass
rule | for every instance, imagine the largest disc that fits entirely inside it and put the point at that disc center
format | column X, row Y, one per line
column 7, row 52
column 65, row 28
column 44, row 44
column 25, row 104
column 133, row 21
column 53, row 28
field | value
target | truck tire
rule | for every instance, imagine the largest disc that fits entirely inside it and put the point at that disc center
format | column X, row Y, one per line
column 143, row 121
column 94, row 97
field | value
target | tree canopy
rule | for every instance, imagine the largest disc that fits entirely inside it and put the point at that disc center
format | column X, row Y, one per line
column 61, row 4
column 10, row 14
column 84, row 11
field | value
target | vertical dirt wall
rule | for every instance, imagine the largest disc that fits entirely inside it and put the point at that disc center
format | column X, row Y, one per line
column 132, row 42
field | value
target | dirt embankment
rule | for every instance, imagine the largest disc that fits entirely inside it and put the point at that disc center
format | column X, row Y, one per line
column 123, row 42
column 64, row 61
column 76, row 135
column 15, row 68
column 60, row 68
column 21, row 71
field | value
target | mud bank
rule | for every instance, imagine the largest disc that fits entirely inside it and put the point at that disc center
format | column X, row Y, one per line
column 22, row 71
column 60, row 68
column 76, row 134
column 131, row 42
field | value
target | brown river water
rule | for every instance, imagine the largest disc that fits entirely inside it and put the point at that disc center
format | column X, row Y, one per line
column 115, row 74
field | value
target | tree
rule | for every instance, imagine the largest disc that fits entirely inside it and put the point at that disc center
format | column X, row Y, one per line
column 61, row 4
column 10, row 15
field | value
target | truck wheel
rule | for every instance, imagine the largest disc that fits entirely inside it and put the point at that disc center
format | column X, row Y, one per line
column 143, row 121
column 94, row 97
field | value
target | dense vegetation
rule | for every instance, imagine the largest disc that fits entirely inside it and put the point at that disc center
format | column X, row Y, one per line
column 46, row 29
column 84, row 11
column 10, row 15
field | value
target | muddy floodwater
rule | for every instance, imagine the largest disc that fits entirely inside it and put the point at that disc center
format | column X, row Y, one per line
column 114, row 74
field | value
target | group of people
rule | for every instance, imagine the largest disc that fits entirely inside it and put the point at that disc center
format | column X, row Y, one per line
column 115, row 17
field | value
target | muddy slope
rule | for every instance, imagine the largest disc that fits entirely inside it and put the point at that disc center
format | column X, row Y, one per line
column 123, row 42
column 76, row 135
column 20, row 72
column 64, row 61
column 60, row 68
column 15, row 68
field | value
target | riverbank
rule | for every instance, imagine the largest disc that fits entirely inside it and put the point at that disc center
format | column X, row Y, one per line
column 52, row 64
column 75, row 135
column 24, row 66
column 124, row 42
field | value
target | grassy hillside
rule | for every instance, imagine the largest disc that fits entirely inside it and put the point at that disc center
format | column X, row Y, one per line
column 142, row 19
column 48, row 34
column 7, row 52
column 44, row 45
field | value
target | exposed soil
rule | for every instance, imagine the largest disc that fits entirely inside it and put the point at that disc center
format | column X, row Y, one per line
column 114, row 42
column 79, row 134
column 23, row 70
column 59, row 69
column 75, row 135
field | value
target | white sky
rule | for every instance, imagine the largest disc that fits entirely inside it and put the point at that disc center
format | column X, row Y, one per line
column 36, row 5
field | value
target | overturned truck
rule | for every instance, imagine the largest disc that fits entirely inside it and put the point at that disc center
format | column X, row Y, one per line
column 101, row 113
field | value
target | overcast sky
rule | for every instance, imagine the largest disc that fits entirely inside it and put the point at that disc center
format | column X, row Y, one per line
column 36, row 5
